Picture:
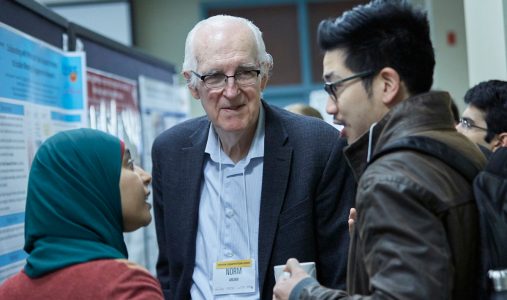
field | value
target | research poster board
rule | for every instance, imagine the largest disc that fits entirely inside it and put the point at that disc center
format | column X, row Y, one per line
column 163, row 105
column 41, row 93
column 113, row 107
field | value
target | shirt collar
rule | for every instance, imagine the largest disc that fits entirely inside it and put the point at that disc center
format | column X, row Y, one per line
column 256, row 149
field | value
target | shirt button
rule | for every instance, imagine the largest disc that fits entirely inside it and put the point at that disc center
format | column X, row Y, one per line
column 229, row 212
column 229, row 253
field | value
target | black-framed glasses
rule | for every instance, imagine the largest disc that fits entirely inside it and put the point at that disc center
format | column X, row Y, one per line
column 332, row 87
column 219, row 80
column 469, row 124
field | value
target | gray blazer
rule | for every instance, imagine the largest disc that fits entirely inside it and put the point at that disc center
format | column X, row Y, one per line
column 307, row 191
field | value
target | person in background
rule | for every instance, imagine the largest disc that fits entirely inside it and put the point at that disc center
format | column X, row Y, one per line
column 484, row 120
column 303, row 109
column 416, row 230
column 239, row 190
column 84, row 191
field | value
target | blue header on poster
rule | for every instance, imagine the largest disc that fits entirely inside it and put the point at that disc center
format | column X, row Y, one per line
column 37, row 73
column 12, row 109
column 56, row 116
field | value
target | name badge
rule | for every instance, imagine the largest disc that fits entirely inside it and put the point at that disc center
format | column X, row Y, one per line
column 234, row 277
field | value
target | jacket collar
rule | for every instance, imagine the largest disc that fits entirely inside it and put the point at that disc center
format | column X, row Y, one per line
column 413, row 115
column 277, row 168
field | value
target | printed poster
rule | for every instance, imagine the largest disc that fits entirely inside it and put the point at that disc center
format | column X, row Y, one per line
column 113, row 107
column 41, row 93
column 163, row 105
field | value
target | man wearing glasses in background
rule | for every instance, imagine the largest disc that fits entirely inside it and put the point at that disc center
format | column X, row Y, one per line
column 484, row 120
column 249, row 185
column 416, row 232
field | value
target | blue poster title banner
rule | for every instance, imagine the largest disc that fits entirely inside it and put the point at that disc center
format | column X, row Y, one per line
column 56, row 116
column 35, row 72
column 13, row 109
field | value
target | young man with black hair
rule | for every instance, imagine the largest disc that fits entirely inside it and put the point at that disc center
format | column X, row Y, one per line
column 484, row 120
column 416, row 233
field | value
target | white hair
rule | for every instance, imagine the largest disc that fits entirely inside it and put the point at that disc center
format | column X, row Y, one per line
column 190, row 62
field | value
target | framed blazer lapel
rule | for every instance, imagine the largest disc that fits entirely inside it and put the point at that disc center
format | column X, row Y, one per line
column 190, row 186
column 190, row 174
column 277, row 162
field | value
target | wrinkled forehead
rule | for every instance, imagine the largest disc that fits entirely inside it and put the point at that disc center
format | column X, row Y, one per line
column 224, row 41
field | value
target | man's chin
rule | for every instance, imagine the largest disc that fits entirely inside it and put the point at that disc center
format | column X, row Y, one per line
column 349, row 136
column 343, row 133
column 230, row 127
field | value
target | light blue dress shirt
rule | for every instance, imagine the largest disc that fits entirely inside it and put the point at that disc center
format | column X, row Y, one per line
column 229, row 209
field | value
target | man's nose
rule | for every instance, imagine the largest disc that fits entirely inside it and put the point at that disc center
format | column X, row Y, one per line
column 459, row 128
column 331, row 106
column 231, row 87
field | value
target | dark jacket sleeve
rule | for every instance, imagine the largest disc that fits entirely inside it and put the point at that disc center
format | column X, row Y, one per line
column 406, row 253
column 400, row 237
column 158, row 209
column 334, row 198
column 310, row 289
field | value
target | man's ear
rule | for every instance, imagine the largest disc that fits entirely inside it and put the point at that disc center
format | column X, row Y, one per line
column 264, row 81
column 193, row 90
column 391, row 87
column 500, row 140
column 503, row 139
column 268, row 66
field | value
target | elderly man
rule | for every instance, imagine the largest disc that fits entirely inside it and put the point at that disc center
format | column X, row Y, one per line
column 247, row 186
column 416, row 232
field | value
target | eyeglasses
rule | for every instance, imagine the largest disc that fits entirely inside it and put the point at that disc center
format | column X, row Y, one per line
column 332, row 87
column 219, row 80
column 469, row 124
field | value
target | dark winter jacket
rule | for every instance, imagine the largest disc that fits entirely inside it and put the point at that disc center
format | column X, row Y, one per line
column 416, row 235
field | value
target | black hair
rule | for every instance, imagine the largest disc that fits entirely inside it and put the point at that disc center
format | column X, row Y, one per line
column 454, row 111
column 491, row 98
column 384, row 33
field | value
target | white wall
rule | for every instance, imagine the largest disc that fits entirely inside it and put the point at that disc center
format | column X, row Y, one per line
column 161, row 29
column 486, row 40
column 451, row 69
column 111, row 19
